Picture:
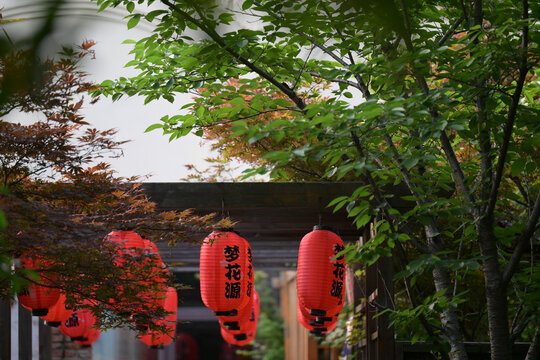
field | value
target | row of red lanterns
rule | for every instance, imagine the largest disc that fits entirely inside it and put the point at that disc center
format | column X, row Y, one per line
column 227, row 285
column 48, row 302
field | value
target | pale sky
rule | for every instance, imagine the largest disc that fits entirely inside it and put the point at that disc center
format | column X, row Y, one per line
column 147, row 153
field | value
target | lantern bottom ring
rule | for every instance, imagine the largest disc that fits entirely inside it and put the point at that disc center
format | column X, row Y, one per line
column 240, row 337
column 40, row 312
column 317, row 312
column 53, row 323
column 232, row 312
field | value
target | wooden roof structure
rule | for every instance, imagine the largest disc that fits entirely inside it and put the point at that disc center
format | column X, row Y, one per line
column 273, row 217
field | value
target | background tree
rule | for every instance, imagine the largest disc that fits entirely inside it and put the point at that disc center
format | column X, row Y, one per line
column 61, row 199
column 439, row 96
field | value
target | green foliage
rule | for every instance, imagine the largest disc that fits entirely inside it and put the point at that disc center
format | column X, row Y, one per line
column 433, row 106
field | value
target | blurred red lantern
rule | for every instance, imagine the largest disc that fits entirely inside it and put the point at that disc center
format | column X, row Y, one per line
column 187, row 347
column 91, row 337
column 247, row 330
column 78, row 324
column 320, row 281
column 41, row 296
column 156, row 338
column 126, row 239
column 232, row 323
column 58, row 313
column 232, row 339
column 224, row 267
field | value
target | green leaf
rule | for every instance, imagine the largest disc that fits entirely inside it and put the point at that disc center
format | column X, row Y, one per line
column 518, row 166
column 130, row 7
column 153, row 127
column 239, row 100
column 133, row 21
column 410, row 162
column 336, row 200
column 247, row 4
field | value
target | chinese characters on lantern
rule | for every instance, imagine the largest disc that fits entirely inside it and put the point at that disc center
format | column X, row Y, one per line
column 234, row 273
column 339, row 273
column 250, row 273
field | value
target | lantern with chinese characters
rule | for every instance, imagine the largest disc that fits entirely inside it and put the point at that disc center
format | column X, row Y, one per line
column 58, row 312
column 91, row 337
column 78, row 324
column 320, row 281
column 224, row 264
column 157, row 339
column 41, row 296
column 233, row 322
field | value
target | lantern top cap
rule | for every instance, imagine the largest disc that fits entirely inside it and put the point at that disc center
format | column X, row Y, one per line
column 323, row 227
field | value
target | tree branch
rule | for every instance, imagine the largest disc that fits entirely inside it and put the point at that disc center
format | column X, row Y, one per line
column 284, row 88
column 523, row 243
column 509, row 125
column 319, row 75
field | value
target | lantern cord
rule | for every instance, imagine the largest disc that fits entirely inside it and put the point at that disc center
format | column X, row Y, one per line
column 319, row 211
column 222, row 209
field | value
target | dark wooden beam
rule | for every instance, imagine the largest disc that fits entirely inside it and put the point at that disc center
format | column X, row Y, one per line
column 273, row 217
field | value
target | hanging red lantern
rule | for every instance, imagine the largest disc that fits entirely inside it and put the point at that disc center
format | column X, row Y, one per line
column 41, row 296
column 231, row 339
column 91, row 337
column 58, row 313
column 78, row 324
column 187, row 347
column 126, row 239
column 224, row 268
column 232, row 323
column 157, row 339
column 320, row 281
column 247, row 330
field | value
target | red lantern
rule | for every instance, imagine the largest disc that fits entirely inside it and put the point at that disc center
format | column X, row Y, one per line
column 224, row 268
column 126, row 239
column 38, row 297
column 186, row 347
column 78, row 324
column 232, row 323
column 320, row 281
column 58, row 313
column 231, row 339
column 91, row 337
column 157, row 339
column 247, row 330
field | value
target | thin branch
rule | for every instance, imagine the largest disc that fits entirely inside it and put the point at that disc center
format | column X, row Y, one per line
column 522, row 244
column 303, row 68
column 319, row 75
column 450, row 31
column 508, row 127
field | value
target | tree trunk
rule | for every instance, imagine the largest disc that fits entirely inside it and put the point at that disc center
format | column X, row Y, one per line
column 497, row 304
column 442, row 281
column 534, row 349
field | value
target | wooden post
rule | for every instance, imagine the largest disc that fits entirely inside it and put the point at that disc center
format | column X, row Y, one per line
column 385, row 298
column 45, row 346
column 5, row 330
column 25, row 334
